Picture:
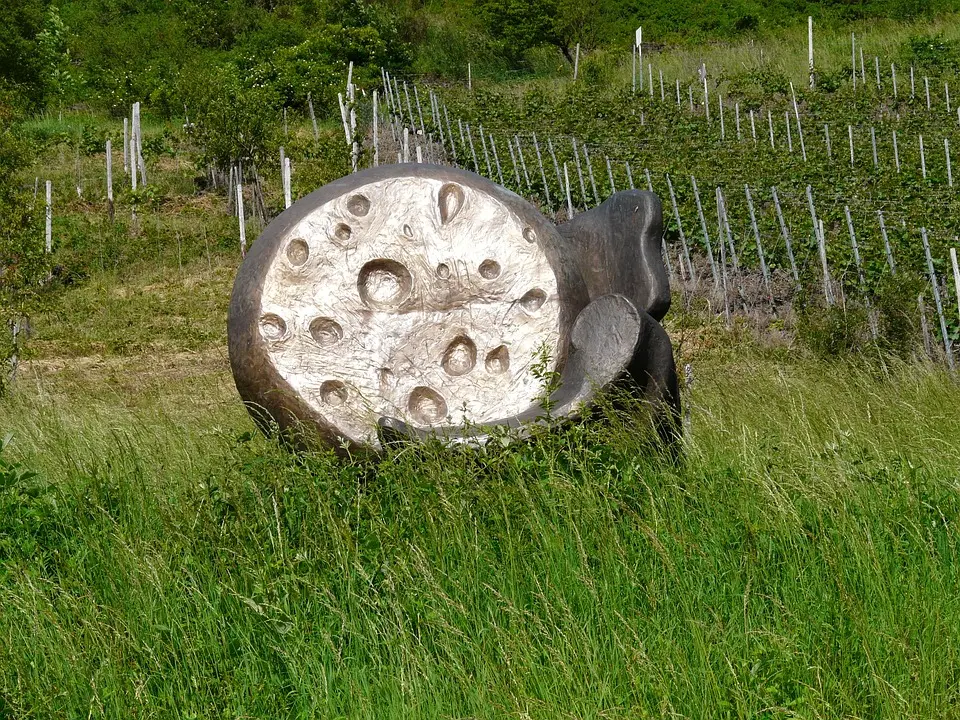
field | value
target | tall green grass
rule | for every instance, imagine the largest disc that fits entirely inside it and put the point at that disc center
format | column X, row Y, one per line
column 167, row 561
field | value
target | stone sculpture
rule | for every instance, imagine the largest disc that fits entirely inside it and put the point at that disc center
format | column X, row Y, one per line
column 407, row 301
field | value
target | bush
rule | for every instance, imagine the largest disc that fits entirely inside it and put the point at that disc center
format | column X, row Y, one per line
column 754, row 87
column 895, row 299
column 232, row 120
column 21, row 67
column 28, row 510
column 23, row 263
column 831, row 332
column 833, row 80
column 931, row 53
column 449, row 44
column 319, row 162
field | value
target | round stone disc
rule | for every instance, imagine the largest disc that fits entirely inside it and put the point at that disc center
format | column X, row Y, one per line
column 416, row 292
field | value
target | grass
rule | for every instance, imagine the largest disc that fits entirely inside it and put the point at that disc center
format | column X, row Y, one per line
column 802, row 562
column 160, row 558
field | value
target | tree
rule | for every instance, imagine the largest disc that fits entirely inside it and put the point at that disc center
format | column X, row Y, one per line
column 21, row 66
column 232, row 121
column 520, row 25
column 59, row 80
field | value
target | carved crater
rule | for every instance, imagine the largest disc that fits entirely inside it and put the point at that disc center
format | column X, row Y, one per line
column 326, row 331
column 460, row 356
column 333, row 393
column 298, row 252
column 451, row 201
column 273, row 326
column 497, row 360
column 358, row 205
column 489, row 269
column 426, row 406
column 342, row 233
column 384, row 283
column 533, row 300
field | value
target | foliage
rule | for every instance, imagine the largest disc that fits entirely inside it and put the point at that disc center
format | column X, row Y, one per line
column 320, row 161
column 233, row 121
column 449, row 44
column 831, row 332
column 318, row 67
column 894, row 299
column 152, row 51
column 519, row 25
column 28, row 510
column 217, row 24
column 931, row 53
column 21, row 65
column 58, row 73
column 23, row 263
column 756, row 85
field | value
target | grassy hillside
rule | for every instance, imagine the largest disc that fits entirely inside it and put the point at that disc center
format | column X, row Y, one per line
column 158, row 557
column 161, row 558
column 166, row 560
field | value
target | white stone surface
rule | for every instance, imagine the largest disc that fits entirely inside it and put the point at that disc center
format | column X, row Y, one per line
column 412, row 298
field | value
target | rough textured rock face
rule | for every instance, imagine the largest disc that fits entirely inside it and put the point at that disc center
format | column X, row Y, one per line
column 412, row 300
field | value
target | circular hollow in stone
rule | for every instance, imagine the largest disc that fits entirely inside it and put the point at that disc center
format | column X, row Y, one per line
column 498, row 360
column 489, row 269
column 451, row 200
column 298, row 252
column 533, row 300
column 326, row 331
column 529, row 235
column 333, row 392
column 384, row 283
column 408, row 231
column 273, row 326
column 426, row 406
column 443, row 271
column 342, row 232
column 460, row 356
column 358, row 205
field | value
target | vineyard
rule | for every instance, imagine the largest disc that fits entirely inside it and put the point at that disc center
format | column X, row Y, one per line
column 829, row 207
column 159, row 557
column 809, row 195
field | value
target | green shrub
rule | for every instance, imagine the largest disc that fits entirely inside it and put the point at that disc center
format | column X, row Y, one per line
column 831, row 332
column 895, row 300
column 21, row 66
column 319, row 162
column 23, row 263
column 59, row 76
column 931, row 53
column 450, row 44
column 28, row 509
column 232, row 120
column 757, row 85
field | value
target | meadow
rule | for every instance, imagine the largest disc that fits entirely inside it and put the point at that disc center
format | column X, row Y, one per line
column 159, row 557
